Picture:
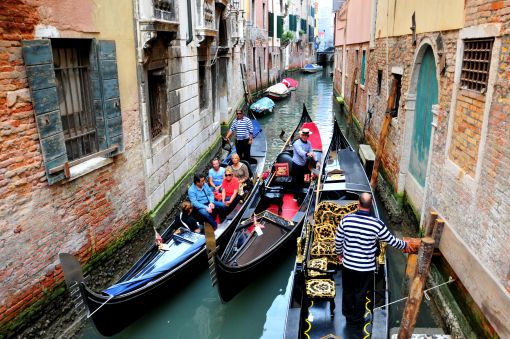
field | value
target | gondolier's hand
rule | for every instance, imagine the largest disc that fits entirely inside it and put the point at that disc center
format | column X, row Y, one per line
column 340, row 259
column 250, row 141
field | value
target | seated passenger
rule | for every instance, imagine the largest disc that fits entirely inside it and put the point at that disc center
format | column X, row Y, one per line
column 185, row 219
column 239, row 169
column 202, row 199
column 230, row 190
column 216, row 175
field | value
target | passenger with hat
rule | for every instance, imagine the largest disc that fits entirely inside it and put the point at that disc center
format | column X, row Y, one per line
column 303, row 154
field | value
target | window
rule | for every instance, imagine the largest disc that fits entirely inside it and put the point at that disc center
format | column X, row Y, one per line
column 394, row 111
column 157, row 101
column 265, row 66
column 71, row 65
column 263, row 15
column 253, row 12
column 356, row 60
column 363, row 60
column 476, row 64
column 270, row 28
column 379, row 81
column 202, row 85
column 279, row 26
column 76, row 100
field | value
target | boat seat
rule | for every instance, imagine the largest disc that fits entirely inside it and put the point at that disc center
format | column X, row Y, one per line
column 322, row 290
column 283, row 169
column 272, row 195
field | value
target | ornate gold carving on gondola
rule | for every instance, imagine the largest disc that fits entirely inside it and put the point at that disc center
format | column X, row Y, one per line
column 299, row 258
column 317, row 264
column 382, row 248
column 320, row 288
column 325, row 232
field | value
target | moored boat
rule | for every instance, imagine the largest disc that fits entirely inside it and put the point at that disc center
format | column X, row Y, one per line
column 291, row 84
column 162, row 269
column 262, row 106
column 317, row 276
column 278, row 91
column 311, row 68
column 270, row 224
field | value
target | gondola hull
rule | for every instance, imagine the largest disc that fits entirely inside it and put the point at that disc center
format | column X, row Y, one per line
column 343, row 178
column 233, row 279
column 110, row 314
column 243, row 260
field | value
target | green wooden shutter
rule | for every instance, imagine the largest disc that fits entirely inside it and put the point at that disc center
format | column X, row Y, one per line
column 303, row 24
column 41, row 79
column 270, row 29
column 363, row 61
column 279, row 26
column 110, row 96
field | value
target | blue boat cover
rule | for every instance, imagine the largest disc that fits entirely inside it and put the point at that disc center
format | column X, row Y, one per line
column 310, row 66
column 162, row 264
column 262, row 105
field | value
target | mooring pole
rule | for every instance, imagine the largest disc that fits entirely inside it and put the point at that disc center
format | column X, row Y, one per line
column 416, row 292
column 351, row 101
column 384, row 133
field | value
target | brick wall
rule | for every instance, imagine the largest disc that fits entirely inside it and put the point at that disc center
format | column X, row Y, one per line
column 467, row 130
column 37, row 221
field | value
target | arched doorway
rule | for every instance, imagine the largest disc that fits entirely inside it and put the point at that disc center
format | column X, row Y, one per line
column 426, row 96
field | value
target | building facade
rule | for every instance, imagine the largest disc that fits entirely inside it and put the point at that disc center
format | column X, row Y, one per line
column 72, row 177
column 446, row 148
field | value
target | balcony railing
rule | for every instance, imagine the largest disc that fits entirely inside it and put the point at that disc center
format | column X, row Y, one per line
column 165, row 10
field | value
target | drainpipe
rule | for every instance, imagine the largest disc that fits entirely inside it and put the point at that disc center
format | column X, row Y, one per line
column 190, row 25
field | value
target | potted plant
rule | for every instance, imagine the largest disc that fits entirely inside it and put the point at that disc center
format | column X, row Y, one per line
column 286, row 38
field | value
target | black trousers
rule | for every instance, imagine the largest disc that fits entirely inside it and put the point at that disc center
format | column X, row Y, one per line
column 298, row 178
column 356, row 285
column 243, row 148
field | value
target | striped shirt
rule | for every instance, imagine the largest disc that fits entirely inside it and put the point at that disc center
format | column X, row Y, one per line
column 356, row 240
column 243, row 128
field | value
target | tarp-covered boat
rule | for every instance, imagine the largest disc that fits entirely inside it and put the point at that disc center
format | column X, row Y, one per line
column 291, row 84
column 270, row 224
column 262, row 106
column 311, row 68
column 278, row 91
column 157, row 273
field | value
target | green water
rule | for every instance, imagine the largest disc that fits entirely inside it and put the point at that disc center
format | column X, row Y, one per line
column 259, row 311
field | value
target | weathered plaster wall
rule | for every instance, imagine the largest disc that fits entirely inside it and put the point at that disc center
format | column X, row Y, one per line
column 38, row 221
column 394, row 16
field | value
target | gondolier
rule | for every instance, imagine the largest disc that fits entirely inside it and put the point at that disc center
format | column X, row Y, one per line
column 355, row 244
column 243, row 128
column 303, row 153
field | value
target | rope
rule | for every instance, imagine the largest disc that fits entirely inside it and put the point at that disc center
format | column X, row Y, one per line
column 97, row 309
column 308, row 322
column 450, row 280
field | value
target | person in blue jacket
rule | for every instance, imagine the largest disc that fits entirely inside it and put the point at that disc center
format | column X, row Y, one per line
column 202, row 199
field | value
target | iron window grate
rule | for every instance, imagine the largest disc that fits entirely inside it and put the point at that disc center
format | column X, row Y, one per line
column 71, row 65
column 476, row 64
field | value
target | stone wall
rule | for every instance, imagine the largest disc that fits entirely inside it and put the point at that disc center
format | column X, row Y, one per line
column 38, row 221
column 465, row 184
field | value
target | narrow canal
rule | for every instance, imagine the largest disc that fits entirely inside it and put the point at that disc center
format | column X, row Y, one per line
column 259, row 310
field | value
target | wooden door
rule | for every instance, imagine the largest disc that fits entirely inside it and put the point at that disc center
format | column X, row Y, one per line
column 426, row 96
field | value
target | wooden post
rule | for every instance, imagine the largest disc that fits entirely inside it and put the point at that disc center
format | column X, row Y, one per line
column 438, row 231
column 430, row 225
column 416, row 293
column 351, row 101
column 384, row 133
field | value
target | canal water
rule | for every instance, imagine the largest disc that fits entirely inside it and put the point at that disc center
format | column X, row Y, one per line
column 259, row 310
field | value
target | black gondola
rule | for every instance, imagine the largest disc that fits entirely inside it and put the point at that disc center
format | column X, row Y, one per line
column 317, row 276
column 157, row 273
column 270, row 224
